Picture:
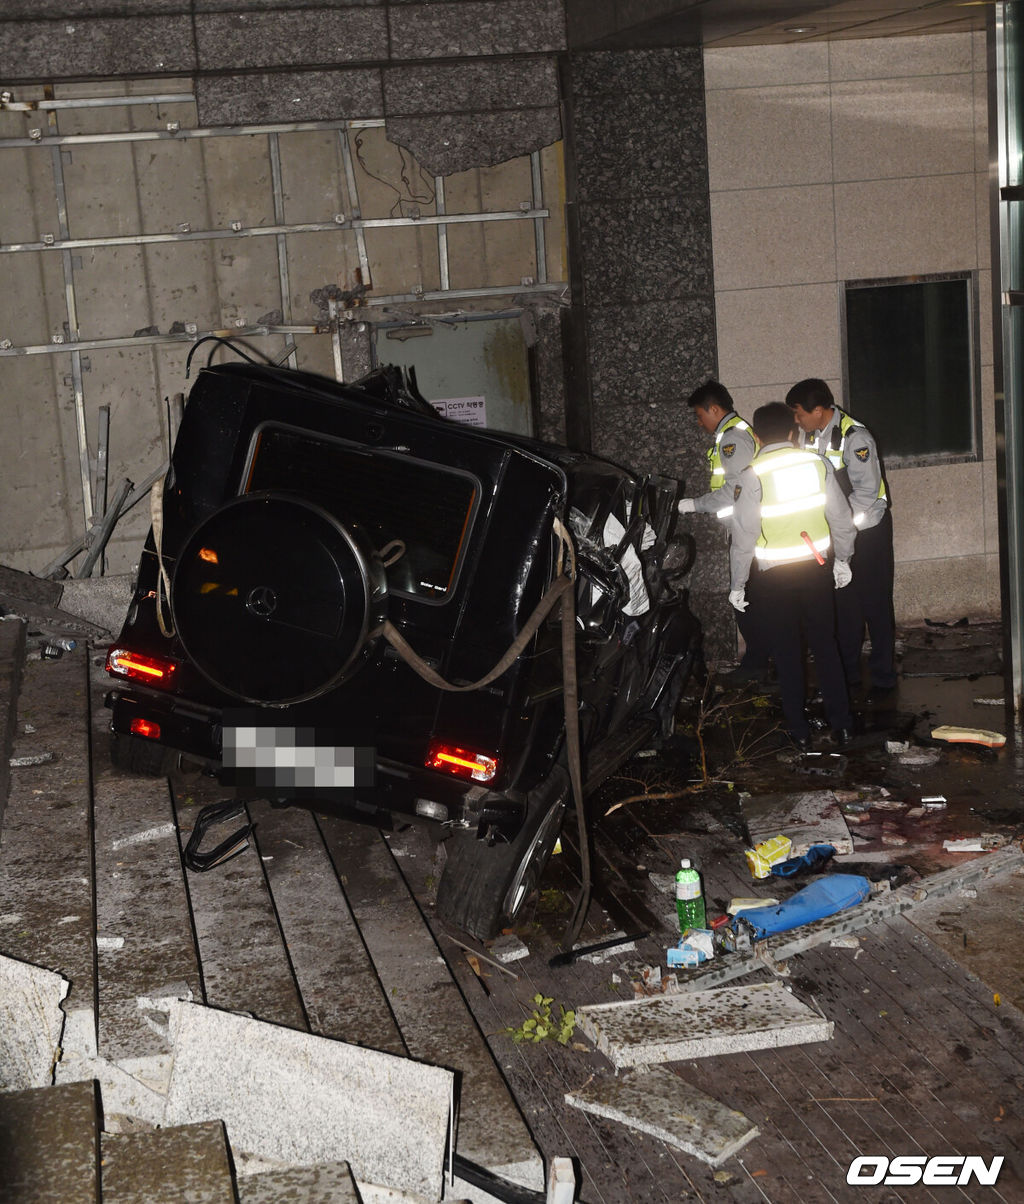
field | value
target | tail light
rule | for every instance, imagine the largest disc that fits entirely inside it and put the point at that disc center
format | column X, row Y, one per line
column 145, row 727
column 462, row 762
column 154, row 670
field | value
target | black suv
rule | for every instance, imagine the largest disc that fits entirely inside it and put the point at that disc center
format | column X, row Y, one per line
column 323, row 554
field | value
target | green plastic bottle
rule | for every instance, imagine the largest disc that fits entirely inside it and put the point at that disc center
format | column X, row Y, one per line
column 689, row 897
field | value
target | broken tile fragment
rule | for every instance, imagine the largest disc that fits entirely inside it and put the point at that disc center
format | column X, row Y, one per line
column 663, row 1105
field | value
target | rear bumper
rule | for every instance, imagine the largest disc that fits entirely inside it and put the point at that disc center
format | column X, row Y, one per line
column 409, row 791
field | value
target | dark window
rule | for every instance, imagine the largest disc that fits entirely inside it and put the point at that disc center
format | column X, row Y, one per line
column 391, row 497
column 910, row 365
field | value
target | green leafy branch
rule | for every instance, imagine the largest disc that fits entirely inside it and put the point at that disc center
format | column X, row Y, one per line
column 543, row 1026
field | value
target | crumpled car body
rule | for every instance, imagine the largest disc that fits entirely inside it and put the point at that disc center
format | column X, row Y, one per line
column 300, row 520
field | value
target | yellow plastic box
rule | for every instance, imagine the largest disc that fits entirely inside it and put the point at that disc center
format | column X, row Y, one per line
column 762, row 857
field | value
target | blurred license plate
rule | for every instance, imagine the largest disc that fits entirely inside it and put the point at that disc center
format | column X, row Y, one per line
column 294, row 759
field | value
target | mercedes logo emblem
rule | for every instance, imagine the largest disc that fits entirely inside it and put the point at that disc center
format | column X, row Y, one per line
column 261, row 601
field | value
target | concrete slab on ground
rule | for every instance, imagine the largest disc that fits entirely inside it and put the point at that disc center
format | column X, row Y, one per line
column 31, row 1022
column 812, row 817
column 673, row 1028
column 297, row 1099
column 664, row 1106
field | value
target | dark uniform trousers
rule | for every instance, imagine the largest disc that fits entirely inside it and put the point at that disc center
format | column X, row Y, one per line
column 868, row 600
column 795, row 602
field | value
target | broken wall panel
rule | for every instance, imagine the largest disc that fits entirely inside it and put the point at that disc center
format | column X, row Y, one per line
column 450, row 142
column 301, row 1099
column 419, row 89
column 276, row 96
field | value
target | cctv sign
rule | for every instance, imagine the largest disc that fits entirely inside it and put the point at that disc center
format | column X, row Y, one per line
column 907, row 1169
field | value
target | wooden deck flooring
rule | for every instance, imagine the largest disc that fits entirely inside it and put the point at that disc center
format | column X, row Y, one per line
column 329, row 927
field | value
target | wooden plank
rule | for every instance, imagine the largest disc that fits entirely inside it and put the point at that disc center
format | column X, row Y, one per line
column 46, row 870
column 340, row 989
column 49, row 1145
column 143, row 922
column 183, row 1162
column 245, row 963
column 431, row 1012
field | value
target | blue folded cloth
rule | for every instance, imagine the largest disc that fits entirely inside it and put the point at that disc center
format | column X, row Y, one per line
column 830, row 894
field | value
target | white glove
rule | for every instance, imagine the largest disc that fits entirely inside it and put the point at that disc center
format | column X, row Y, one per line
column 842, row 574
column 738, row 599
column 687, row 505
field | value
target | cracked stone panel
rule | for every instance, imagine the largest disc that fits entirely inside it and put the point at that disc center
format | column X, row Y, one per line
column 451, row 142
column 31, row 1022
column 297, row 1099
column 345, row 94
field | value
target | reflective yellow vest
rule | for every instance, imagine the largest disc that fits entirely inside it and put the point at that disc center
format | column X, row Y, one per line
column 792, row 506
column 715, row 450
column 836, row 449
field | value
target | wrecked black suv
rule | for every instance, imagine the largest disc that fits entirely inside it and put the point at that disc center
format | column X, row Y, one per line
column 328, row 560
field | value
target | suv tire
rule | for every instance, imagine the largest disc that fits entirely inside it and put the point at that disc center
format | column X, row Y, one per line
column 483, row 888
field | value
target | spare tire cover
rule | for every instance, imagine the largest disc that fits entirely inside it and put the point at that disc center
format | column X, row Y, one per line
column 273, row 598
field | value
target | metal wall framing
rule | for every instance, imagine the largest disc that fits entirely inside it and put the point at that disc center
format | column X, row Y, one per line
column 47, row 139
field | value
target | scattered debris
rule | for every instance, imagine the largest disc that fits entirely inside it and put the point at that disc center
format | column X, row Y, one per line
column 107, row 943
column 964, row 844
column 31, row 1023
column 701, row 1024
column 509, row 948
column 660, row 1104
column 990, row 702
column 812, row 817
column 844, row 942
column 745, row 904
column 763, row 856
column 38, row 759
column 968, row 735
column 154, row 833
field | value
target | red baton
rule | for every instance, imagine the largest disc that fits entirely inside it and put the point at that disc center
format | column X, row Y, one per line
column 807, row 540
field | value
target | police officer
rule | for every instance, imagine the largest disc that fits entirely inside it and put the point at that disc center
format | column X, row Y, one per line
column 790, row 519
column 731, row 451
column 850, row 447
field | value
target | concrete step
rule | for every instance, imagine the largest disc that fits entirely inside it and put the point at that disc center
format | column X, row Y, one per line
column 328, row 1183
column 50, row 1145
column 46, row 869
column 435, row 1022
column 185, row 1162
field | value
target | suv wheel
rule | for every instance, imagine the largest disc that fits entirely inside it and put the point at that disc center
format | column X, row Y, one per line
column 483, row 888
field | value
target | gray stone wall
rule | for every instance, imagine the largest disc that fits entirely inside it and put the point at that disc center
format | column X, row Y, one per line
column 489, row 94
column 640, row 229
